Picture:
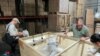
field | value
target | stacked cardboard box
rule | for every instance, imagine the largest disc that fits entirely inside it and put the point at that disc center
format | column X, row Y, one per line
column 90, row 20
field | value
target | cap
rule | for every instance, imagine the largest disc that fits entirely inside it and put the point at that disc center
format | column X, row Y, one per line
column 16, row 19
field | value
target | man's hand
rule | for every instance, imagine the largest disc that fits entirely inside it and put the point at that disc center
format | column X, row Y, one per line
column 82, row 38
column 20, row 33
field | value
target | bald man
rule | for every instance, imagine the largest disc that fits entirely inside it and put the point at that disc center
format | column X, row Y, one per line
column 13, row 31
column 79, row 29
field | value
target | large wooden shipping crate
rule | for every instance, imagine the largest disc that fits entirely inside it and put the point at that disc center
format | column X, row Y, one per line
column 80, row 7
column 57, row 22
column 58, row 6
column 29, row 7
column 70, row 46
column 90, row 20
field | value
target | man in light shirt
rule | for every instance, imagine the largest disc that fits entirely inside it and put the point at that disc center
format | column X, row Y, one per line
column 13, row 31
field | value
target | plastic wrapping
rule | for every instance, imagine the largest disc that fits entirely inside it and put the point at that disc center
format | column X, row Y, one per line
column 25, row 33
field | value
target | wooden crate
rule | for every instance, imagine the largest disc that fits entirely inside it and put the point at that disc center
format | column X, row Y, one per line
column 30, row 10
column 72, row 8
column 90, row 17
column 91, row 29
column 56, row 22
column 97, row 30
column 31, row 28
column 71, row 46
column 80, row 10
column 38, row 27
column 81, row 1
column 80, row 7
column 58, row 6
column 90, row 20
column 29, row 7
column 29, row 1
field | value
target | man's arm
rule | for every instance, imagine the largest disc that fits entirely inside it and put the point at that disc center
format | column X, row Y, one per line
column 86, row 35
